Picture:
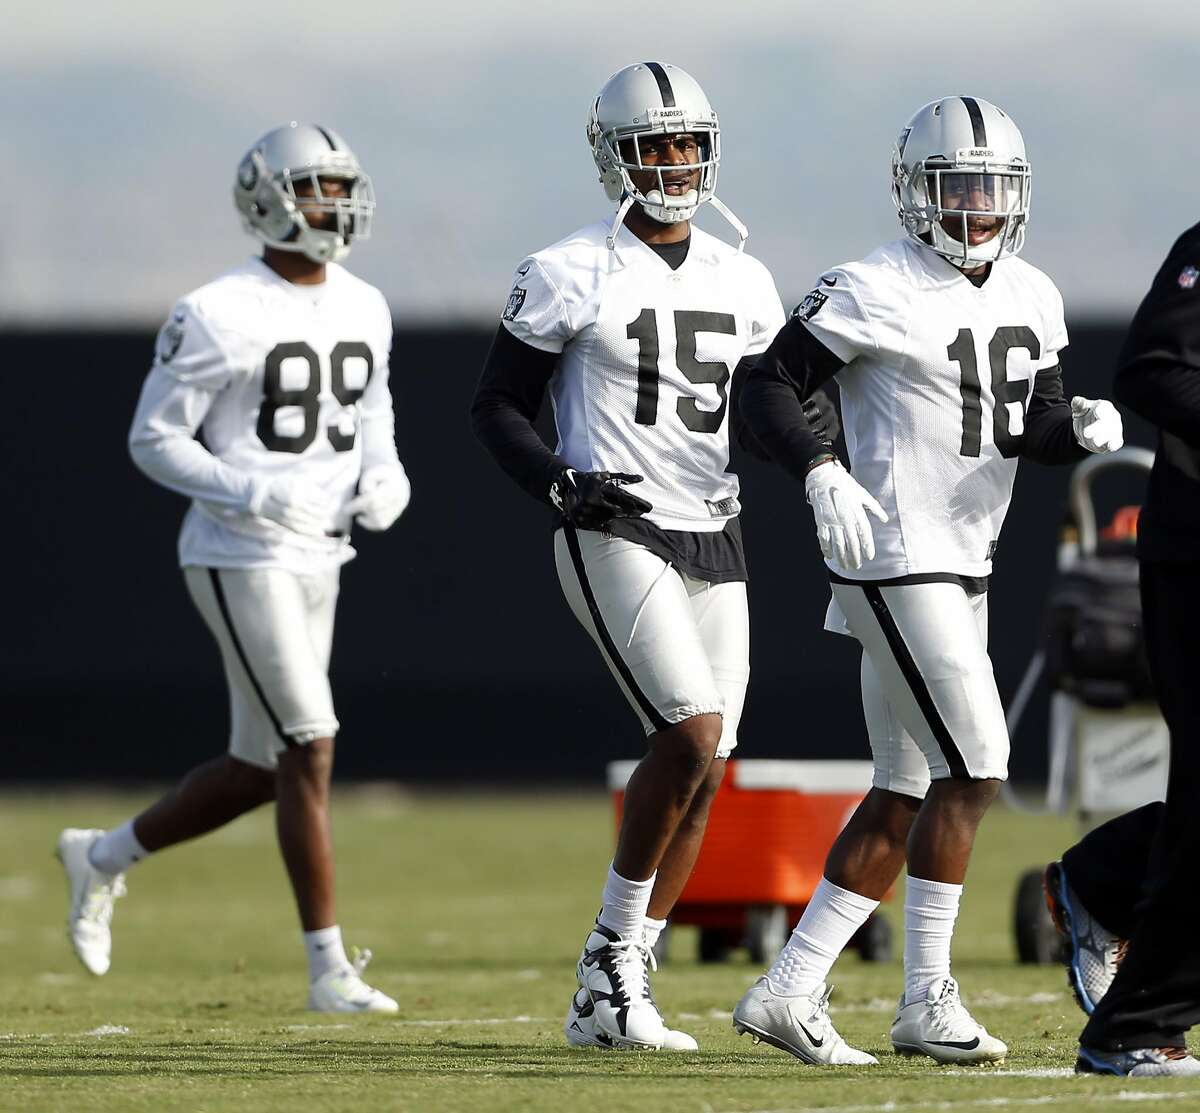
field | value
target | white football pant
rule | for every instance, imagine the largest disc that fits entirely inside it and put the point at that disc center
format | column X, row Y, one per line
column 275, row 632
column 929, row 693
column 677, row 646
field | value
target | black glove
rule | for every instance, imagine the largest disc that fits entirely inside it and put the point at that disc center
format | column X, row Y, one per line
column 822, row 417
column 592, row 499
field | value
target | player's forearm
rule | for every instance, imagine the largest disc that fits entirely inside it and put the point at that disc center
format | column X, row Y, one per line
column 515, row 444
column 1166, row 395
column 790, row 371
column 1049, row 429
column 505, row 407
column 378, row 432
column 184, row 465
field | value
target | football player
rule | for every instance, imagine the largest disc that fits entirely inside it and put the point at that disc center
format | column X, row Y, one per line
column 945, row 346
column 635, row 325
column 282, row 365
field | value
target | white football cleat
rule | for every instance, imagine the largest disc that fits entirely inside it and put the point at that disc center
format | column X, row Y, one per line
column 614, row 973
column 941, row 1028
column 798, row 1025
column 92, row 893
column 581, row 1030
column 344, row 991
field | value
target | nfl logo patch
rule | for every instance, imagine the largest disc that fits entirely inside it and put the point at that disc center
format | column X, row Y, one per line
column 1187, row 278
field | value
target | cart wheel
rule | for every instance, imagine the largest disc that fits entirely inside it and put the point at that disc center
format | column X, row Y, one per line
column 766, row 931
column 714, row 945
column 874, row 940
column 662, row 949
column 1037, row 939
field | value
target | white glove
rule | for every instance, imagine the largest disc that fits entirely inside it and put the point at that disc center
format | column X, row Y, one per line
column 294, row 503
column 1097, row 424
column 839, row 501
column 383, row 493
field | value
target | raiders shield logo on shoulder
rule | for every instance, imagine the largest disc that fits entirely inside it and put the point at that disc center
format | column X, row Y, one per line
column 810, row 306
column 171, row 338
column 515, row 300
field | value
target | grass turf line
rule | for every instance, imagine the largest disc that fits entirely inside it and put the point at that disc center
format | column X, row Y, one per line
column 475, row 907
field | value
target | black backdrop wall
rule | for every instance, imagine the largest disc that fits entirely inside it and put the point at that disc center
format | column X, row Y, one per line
column 455, row 657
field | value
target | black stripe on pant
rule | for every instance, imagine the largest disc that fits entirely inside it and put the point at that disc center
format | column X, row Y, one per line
column 610, row 647
column 223, row 607
column 916, row 682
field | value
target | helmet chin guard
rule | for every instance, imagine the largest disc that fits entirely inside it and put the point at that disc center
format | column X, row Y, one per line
column 961, row 161
column 653, row 98
column 275, row 211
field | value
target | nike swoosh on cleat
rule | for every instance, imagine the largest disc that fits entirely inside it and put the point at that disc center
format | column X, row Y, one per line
column 813, row 1039
column 961, row 1045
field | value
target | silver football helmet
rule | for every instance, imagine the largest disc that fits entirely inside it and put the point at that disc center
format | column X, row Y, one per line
column 960, row 162
column 654, row 98
column 266, row 196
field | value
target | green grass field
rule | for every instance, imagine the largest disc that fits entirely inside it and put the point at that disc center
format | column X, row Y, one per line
column 475, row 907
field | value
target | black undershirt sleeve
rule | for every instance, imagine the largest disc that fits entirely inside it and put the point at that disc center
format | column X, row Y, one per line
column 772, row 397
column 738, row 429
column 505, row 407
column 1049, row 432
column 1158, row 374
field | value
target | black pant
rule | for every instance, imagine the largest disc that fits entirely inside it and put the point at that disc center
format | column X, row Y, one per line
column 1155, row 996
column 1109, row 868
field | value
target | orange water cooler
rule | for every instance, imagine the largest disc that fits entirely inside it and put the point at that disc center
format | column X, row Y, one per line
column 771, row 825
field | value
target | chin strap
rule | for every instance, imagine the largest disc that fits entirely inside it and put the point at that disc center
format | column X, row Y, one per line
column 618, row 220
column 742, row 231
column 628, row 202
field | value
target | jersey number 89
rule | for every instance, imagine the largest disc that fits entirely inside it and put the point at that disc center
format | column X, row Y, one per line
column 307, row 398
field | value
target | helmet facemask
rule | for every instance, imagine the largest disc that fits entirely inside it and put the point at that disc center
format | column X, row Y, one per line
column 617, row 170
column 921, row 197
column 279, row 213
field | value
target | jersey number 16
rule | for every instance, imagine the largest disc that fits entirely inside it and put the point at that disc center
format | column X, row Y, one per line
column 1005, row 391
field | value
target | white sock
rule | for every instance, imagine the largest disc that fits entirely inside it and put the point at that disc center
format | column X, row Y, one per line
column 624, row 903
column 116, row 850
column 651, row 930
column 325, row 951
column 930, row 909
column 829, row 922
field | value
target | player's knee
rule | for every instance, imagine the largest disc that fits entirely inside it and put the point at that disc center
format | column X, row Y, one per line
column 249, row 782
column 968, row 795
column 697, row 813
column 310, row 761
column 689, row 748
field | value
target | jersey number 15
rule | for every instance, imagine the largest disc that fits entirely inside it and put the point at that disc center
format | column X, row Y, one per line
column 644, row 329
column 307, row 398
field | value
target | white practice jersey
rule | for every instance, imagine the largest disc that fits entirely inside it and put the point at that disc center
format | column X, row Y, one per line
column 647, row 355
column 279, row 380
column 938, row 378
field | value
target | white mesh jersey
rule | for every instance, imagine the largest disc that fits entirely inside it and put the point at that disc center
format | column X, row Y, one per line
column 280, row 380
column 647, row 355
column 938, row 378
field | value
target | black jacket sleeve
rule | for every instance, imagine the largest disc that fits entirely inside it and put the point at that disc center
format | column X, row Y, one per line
column 1049, row 430
column 772, row 398
column 1158, row 373
column 505, row 407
